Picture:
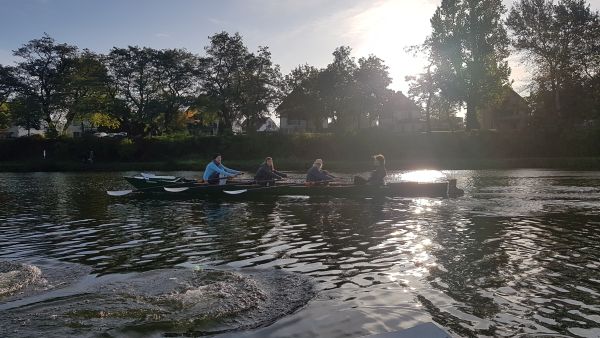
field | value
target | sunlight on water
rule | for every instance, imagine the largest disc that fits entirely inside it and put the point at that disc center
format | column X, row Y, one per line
column 422, row 176
column 516, row 257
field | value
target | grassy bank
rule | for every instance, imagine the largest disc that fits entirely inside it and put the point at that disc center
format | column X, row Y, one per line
column 291, row 164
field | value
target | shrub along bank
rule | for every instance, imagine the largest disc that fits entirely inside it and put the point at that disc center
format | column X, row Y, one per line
column 458, row 150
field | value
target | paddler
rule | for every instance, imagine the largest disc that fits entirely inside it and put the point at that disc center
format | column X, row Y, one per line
column 217, row 173
column 316, row 175
column 377, row 176
column 267, row 175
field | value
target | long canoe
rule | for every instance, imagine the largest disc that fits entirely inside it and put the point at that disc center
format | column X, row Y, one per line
column 185, row 187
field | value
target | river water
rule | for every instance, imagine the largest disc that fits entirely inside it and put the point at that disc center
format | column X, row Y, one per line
column 518, row 255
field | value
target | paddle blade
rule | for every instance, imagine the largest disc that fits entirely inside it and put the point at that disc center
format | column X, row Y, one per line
column 176, row 189
column 235, row 192
column 119, row 192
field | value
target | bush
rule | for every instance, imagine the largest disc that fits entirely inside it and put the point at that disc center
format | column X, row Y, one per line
column 333, row 147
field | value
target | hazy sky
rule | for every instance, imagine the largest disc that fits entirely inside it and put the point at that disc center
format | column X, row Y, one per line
column 296, row 31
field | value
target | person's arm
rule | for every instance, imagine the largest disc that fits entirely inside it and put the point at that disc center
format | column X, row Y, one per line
column 276, row 176
column 324, row 176
column 280, row 174
column 230, row 171
column 327, row 176
column 220, row 170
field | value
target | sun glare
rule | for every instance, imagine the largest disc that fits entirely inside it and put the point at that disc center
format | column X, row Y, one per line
column 422, row 176
column 388, row 28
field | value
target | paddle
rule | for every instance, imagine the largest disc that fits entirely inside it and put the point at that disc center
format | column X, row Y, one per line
column 181, row 189
column 119, row 192
column 241, row 191
column 129, row 191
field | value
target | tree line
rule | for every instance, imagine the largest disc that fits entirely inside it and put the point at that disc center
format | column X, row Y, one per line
column 140, row 90
column 145, row 91
column 467, row 52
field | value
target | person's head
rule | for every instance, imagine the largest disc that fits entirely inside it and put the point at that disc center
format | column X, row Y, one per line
column 269, row 161
column 217, row 158
column 318, row 163
column 379, row 159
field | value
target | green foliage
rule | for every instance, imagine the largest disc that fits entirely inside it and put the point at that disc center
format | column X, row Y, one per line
column 353, row 147
column 239, row 83
column 5, row 118
column 561, row 42
column 7, row 83
column 104, row 120
column 349, row 93
column 25, row 112
column 41, row 77
column 468, row 48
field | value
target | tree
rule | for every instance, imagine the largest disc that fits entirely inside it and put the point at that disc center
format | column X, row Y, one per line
column 372, row 79
column 347, row 92
column 7, row 85
column 222, row 75
column 87, row 90
column 336, row 85
column 425, row 92
column 178, row 80
column 41, row 77
column 469, row 47
column 26, row 113
column 562, row 41
column 301, row 95
column 137, row 88
column 261, row 89
column 241, row 83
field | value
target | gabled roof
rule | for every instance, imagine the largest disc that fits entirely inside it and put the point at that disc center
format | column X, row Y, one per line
column 397, row 102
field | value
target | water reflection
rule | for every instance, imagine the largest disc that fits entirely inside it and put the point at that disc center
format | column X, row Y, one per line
column 422, row 176
column 517, row 255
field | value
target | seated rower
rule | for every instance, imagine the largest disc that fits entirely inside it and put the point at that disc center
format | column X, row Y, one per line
column 266, row 174
column 377, row 176
column 217, row 173
column 316, row 175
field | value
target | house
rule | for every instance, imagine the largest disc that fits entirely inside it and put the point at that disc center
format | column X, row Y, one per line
column 510, row 113
column 268, row 125
column 294, row 116
column 400, row 113
column 18, row 131
column 262, row 125
column 79, row 127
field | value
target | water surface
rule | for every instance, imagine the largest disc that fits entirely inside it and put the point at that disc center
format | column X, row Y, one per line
column 518, row 255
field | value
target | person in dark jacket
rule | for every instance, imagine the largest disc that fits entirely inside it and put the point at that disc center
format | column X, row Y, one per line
column 266, row 174
column 316, row 175
column 377, row 176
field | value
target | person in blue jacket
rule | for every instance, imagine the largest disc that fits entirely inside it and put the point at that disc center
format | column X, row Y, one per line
column 217, row 173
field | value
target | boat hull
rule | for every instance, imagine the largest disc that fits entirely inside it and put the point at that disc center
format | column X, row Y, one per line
column 245, row 190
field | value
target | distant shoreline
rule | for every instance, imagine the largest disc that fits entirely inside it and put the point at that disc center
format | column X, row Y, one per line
column 565, row 163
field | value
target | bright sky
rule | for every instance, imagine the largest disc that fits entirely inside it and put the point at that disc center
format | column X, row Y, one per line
column 296, row 31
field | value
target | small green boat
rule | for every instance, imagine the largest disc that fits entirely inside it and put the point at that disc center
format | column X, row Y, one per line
column 171, row 185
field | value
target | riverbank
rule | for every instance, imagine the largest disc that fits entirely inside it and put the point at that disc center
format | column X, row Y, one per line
column 294, row 164
column 560, row 149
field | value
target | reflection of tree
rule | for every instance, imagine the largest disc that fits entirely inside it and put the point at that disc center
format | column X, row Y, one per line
column 471, row 260
column 348, row 229
column 233, row 227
